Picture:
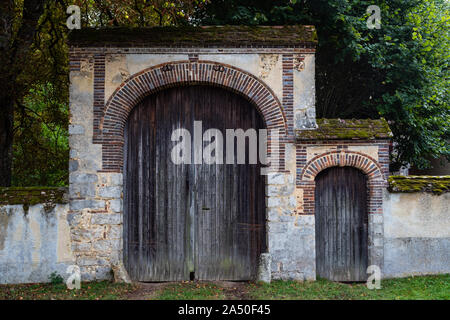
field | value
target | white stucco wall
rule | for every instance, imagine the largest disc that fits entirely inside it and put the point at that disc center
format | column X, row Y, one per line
column 416, row 234
column 34, row 243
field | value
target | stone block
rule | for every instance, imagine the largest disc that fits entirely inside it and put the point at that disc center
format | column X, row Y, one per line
column 273, row 202
column 275, row 228
column 100, row 218
column 84, row 261
column 275, row 178
column 273, row 214
column 76, row 129
column 116, row 179
column 114, row 232
column 73, row 165
column 77, row 205
column 106, row 245
column 83, row 178
column 110, row 192
column 82, row 190
column 103, row 273
column 116, row 205
column 264, row 268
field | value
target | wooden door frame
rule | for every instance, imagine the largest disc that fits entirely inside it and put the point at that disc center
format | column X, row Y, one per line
column 364, row 218
column 376, row 188
column 262, row 184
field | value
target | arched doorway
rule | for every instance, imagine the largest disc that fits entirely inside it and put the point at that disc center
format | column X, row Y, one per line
column 190, row 221
column 341, row 224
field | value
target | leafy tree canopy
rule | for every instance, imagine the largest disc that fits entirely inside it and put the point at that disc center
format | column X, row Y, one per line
column 399, row 71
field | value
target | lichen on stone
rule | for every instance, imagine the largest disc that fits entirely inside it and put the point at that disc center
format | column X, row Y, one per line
column 29, row 196
column 347, row 129
column 434, row 184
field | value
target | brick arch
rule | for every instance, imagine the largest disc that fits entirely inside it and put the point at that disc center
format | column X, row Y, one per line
column 109, row 126
column 343, row 158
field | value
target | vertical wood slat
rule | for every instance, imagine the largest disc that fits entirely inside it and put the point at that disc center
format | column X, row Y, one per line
column 341, row 224
column 208, row 220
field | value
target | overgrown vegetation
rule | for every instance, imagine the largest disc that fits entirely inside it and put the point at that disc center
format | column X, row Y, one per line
column 191, row 291
column 104, row 290
column 434, row 184
column 41, row 146
column 399, row 72
column 29, row 196
column 55, row 278
column 412, row 288
column 347, row 129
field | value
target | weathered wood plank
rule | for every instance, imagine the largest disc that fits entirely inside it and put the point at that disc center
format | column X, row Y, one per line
column 341, row 224
column 183, row 220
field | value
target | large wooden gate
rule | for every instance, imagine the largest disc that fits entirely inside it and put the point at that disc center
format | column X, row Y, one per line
column 341, row 224
column 190, row 221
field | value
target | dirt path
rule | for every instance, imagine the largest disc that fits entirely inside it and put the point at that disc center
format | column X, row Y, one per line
column 150, row 290
column 234, row 290
column 146, row 290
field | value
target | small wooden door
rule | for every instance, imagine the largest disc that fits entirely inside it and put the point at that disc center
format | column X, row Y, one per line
column 341, row 224
column 190, row 221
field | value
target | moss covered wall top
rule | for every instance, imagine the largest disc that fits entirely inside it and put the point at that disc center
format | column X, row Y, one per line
column 434, row 184
column 221, row 36
column 28, row 196
column 343, row 129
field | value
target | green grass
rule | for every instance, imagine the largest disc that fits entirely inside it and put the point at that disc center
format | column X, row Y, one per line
column 413, row 288
column 190, row 291
column 104, row 290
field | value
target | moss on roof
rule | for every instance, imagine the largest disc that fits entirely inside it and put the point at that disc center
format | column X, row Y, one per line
column 29, row 196
column 434, row 184
column 195, row 36
column 347, row 129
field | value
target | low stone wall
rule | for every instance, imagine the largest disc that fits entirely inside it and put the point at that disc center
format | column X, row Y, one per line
column 34, row 234
column 416, row 229
column 39, row 234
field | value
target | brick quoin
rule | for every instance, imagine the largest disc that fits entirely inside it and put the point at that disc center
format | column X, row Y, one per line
column 110, row 119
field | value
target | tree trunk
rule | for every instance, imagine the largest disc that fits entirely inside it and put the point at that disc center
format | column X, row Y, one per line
column 6, row 139
column 14, row 49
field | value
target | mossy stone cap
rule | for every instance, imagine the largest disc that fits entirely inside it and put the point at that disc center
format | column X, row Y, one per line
column 347, row 129
column 29, row 196
column 434, row 184
column 226, row 36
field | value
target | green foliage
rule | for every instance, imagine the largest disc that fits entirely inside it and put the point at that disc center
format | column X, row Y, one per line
column 103, row 290
column 420, row 288
column 399, row 72
column 55, row 278
column 412, row 288
column 191, row 291
column 41, row 149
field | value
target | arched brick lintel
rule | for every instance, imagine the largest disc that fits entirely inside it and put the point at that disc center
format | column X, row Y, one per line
column 109, row 126
column 343, row 158
column 171, row 74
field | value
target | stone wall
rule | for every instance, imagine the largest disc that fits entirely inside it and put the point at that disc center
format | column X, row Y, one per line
column 416, row 234
column 35, row 241
column 95, row 214
column 291, row 235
